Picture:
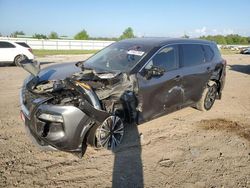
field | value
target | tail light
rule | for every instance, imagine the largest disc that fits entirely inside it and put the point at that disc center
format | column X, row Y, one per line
column 30, row 50
column 22, row 116
column 224, row 62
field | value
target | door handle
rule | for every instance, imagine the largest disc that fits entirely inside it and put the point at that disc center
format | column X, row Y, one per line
column 177, row 78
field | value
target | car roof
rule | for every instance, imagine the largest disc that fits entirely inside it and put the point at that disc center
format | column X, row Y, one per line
column 162, row 41
column 153, row 44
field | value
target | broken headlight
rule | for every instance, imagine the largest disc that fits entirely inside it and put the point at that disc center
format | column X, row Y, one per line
column 51, row 118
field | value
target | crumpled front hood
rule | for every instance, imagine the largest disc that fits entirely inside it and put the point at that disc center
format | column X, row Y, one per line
column 64, row 70
column 53, row 78
column 58, row 71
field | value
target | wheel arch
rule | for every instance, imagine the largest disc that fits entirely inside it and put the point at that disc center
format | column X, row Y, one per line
column 216, row 79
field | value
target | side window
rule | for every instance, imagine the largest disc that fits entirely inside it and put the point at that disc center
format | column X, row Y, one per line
column 23, row 44
column 216, row 51
column 6, row 45
column 209, row 54
column 166, row 58
column 192, row 54
column 2, row 44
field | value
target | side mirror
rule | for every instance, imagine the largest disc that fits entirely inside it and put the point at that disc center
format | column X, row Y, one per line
column 154, row 72
column 80, row 64
column 33, row 67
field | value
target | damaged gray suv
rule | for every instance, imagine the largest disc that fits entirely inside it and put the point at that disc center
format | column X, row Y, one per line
column 72, row 105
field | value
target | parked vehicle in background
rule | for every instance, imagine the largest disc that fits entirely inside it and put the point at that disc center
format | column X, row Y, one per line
column 245, row 51
column 72, row 105
column 12, row 52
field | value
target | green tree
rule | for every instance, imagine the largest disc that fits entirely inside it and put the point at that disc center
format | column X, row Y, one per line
column 0, row 34
column 248, row 40
column 39, row 36
column 82, row 35
column 235, row 38
column 53, row 35
column 243, row 40
column 128, row 33
column 229, row 39
column 220, row 39
column 14, row 34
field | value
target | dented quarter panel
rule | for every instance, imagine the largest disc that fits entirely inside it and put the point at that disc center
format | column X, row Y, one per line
column 194, row 81
column 219, row 75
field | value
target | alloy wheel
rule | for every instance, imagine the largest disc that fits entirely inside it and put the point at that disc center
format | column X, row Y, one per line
column 110, row 133
column 210, row 97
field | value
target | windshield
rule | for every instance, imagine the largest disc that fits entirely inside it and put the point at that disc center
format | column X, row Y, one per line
column 120, row 56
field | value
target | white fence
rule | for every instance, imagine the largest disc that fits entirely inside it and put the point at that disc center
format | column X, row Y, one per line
column 232, row 47
column 56, row 44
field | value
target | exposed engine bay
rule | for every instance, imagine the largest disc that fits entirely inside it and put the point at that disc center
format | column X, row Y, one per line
column 108, row 100
column 83, row 107
column 115, row 92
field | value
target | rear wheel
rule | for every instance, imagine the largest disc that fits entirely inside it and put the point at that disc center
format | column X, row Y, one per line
column 18, row 59
column 208, row 98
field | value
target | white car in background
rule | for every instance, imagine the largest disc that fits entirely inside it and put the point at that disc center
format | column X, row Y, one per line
column 13, row 51
column 245, row 51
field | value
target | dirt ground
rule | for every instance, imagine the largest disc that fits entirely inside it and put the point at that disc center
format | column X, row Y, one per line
column 187, row 148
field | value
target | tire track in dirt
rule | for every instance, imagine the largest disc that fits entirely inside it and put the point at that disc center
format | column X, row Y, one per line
column 229, row 126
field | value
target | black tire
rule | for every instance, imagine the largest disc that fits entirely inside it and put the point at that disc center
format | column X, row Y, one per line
column 84, row 147
column 91, row 138
column 17, row 60
column 208, row 98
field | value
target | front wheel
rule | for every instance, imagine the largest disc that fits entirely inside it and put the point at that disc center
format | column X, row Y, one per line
column 108, row 135
column 208, row 98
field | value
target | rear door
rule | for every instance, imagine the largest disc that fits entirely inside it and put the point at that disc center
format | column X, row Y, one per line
column 162, row 94
column 7, row 51
column 196, row 69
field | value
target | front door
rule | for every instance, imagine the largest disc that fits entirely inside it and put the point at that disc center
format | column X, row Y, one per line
column 160, row 94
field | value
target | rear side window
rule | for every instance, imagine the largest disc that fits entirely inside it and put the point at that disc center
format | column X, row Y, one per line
column 209, row 53
column 6, row 45
column 23, row 44
column 166, row 58
column 216, row 51
column 192, row 54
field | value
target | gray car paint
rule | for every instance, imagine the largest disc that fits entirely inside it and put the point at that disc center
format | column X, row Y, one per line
column 58, row 71
column 175, row 89
column 159, row 95
column 156, row 96
column 70, row 135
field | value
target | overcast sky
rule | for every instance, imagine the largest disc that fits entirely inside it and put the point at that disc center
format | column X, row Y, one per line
column 108, row 18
